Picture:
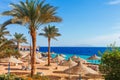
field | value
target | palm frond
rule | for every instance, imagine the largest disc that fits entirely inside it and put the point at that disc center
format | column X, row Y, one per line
column 33, row 12
column 50, row 32
column 3, row 32
column 18, row 37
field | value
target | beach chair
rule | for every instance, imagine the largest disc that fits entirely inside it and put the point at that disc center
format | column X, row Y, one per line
column 28, row 68
column 23, row 68
column 40, row 73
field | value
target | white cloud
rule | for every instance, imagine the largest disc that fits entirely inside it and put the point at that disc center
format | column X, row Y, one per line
column 104, row 40
column 116, row 26
column 114, row 2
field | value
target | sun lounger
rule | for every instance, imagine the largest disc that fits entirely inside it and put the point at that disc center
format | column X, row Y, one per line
column 23, row 68
column 28, row 68
column 40, row 73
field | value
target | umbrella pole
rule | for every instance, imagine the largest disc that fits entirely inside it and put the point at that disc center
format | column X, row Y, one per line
column 69, row 71
column 57, row 64
column 9, row 68
column 28, row 67
column 79, row 76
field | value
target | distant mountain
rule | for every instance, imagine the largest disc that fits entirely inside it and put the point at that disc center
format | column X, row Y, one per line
column 81, row 45
column 84, row 45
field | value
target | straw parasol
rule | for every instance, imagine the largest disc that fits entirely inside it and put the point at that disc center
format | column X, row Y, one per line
column 94, row 57
column 26, row 57
column 11, row 59
column 80, row 60
column 39, row 60
column 62, row 55
column 58, row 59
column 39, row 55
column 80, row 69
column 24, row 53
column 69, row 62
column 14, row 60
column 74, row 57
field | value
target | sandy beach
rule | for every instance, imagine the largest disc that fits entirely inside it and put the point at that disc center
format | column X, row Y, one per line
column 42, row 69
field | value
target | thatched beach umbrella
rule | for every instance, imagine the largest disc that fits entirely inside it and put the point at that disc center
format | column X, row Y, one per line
column 39, row 55
column 94, row 57
column 80, row 60
column 14, row 60
column 62, row 55
column 80, row 69
column 39, row 60
column 58, row 59
column 11, row 60
column 26, row 57
column 74, row 57
column 24, row 53
column 69, row 62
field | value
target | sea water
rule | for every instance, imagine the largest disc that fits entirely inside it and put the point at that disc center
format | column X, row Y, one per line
column 83, row 52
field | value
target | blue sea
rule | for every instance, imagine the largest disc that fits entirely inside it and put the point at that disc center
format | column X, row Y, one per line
column 83, row 52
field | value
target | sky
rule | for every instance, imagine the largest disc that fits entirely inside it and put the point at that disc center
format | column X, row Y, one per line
column 85, row 22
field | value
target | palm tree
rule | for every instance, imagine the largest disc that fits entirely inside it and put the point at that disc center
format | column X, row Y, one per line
column 50, row 32
column 10, row 21
column 3, row 40
column 19, row 38
column 3, row 32
column 33, row 13
column 7, row 47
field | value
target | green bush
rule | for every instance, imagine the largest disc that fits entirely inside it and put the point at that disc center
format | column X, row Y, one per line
column 14, row 77
column 10, row 77
column 110, row 64
column 37, row 77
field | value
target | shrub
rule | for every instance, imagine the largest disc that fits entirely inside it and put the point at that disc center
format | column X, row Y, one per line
column 10, row 77
column 37, row 77
column 110, row 64
column 14, row 77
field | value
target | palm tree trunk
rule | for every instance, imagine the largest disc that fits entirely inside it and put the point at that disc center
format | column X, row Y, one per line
column 18, row 47
column 33, row 55
column 48, row 51
column 30, row 50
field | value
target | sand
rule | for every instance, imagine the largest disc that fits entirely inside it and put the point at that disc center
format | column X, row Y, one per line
column 42, row 69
